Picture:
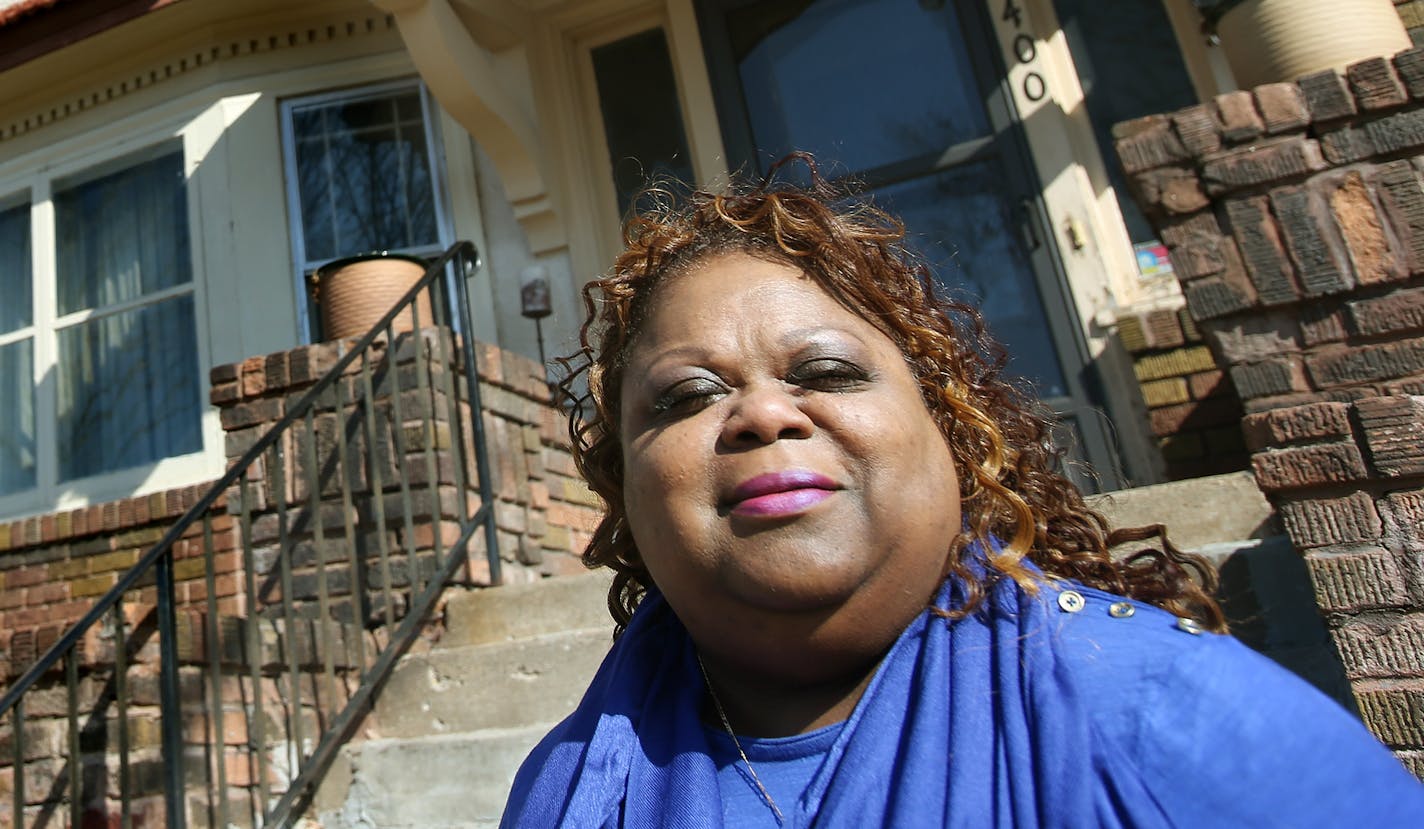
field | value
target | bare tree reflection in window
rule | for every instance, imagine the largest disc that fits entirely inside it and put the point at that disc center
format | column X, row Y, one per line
column 364, row 176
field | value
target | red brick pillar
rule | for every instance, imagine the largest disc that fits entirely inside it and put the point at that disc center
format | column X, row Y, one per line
column 1295, row 217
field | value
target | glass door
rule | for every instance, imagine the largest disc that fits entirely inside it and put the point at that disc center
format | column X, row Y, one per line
column 906, row 97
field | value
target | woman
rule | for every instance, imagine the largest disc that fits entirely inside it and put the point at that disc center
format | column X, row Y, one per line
column 852, row 589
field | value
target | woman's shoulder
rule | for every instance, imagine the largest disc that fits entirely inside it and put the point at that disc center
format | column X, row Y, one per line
column 1129, row 644
column 1206, row 720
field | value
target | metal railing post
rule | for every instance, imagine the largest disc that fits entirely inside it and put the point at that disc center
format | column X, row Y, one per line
column 477, row 409
column 169, row 695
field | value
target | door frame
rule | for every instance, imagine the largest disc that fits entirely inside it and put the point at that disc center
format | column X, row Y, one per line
column 1009, row 139
column 1080, row 207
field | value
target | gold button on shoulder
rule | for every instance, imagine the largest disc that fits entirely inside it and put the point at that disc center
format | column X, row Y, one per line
column 1191, row 626
column 1121, row 610
column 1071, row 601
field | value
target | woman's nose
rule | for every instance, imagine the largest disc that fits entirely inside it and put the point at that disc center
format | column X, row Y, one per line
column 764, row 415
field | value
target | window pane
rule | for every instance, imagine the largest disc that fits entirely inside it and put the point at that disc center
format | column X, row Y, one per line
column 363, row 176
column 962, row 223
column 16, row 306
column 859, row 82
column 418, row 199
column 123, row 235
column 128, row 392
column 17, row 417
column 313, row 186
column 642, row 118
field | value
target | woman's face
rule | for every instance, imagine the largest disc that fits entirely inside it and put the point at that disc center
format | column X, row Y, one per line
column 786, row 486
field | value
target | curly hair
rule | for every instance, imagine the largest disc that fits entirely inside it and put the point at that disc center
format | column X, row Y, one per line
column 998, row 434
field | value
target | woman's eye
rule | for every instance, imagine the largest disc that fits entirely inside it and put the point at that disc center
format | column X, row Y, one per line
column 687, row 396
column 827, row 374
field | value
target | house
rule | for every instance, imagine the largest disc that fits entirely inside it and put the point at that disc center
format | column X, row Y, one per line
column 304, row 133
column 174, row 172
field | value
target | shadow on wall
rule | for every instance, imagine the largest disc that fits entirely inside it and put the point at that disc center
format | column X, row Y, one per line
column 1191, row 409
column 1268, row 599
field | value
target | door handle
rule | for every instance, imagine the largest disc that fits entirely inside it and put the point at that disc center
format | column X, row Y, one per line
column 1028, row 225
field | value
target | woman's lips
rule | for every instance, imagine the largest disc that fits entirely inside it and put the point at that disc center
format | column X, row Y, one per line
column 781, row 493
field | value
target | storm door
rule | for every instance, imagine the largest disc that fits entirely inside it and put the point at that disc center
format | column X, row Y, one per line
column 906, row 97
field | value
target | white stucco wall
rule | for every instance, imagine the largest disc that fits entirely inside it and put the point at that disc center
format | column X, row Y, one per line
column 218, row 92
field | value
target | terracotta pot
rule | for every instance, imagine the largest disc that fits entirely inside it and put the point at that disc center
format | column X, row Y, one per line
column 357, row 291
column 1267, row 41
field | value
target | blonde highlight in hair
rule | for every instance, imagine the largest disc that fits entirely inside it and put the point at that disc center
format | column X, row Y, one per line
column 999, row 436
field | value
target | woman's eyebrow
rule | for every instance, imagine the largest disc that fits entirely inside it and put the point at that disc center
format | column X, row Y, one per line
column 817, row 334
column 691, row 352
column 795, row 338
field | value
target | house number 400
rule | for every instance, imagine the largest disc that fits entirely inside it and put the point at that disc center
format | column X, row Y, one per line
column 1025, row 50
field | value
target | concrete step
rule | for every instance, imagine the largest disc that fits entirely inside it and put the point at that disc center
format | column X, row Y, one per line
column 454, row 781
column 516, row 611
column 1197, row 512
column 505, row 685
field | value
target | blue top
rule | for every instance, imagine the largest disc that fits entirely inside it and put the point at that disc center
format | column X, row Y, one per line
column 1043, row 710
column 784, row 765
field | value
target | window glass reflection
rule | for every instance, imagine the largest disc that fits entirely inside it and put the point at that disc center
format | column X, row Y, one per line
column 17, row 417
column 1129, row 65
column 960, row 221
column 363, row 176
column 16, row 301
column 642, row 119
column 857, row 82
column 126, row 389
column 123, row 235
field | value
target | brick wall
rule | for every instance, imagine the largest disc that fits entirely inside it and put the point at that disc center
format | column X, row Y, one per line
column 544, row 511
column 1193, row 410
column 52, row 567
column 1295, row 217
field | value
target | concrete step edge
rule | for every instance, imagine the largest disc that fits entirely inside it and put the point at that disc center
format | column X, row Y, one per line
column 538, row 729
column 1197, row 512
column 452, row 781
column 497, row 614
column 485, row 649
column 468, row 689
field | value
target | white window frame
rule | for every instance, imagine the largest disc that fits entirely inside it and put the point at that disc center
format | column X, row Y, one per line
column 302, row 266
column 33, row 178
column 8, row 202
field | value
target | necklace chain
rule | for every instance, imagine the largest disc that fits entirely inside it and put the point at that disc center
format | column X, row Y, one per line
column 717, row 703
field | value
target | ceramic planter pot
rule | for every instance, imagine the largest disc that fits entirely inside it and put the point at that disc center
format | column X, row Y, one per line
column 1268, row 41
column 357, row 291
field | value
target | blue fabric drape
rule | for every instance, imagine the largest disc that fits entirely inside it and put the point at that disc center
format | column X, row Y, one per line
column 1022, row 715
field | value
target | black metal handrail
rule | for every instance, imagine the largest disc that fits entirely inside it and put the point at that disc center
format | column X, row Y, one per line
column 391, row 637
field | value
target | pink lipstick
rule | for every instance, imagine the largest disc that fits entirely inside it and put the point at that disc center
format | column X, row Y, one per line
column 776, row 494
